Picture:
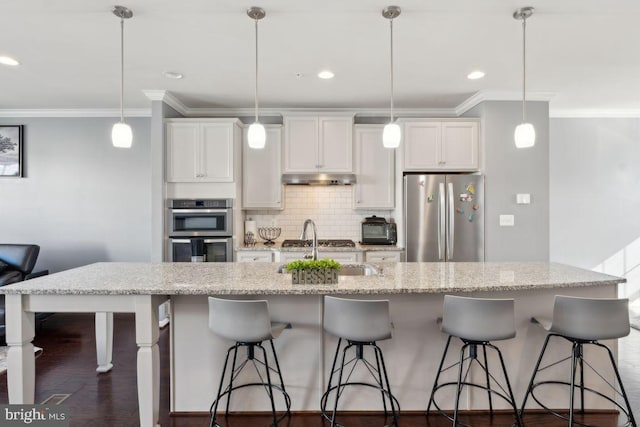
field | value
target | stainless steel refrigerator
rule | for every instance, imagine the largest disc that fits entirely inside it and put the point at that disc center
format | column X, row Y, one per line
column 444, row 217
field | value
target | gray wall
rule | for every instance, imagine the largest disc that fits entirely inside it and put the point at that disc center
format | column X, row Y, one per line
column 595, row 195
column 508, row 171
column 81, row 200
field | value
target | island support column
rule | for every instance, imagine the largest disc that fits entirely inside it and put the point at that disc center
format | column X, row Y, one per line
column 21, row 365
column 148, row 368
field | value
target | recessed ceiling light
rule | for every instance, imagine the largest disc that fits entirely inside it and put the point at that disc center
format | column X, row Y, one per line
column 173, row 75
column 475, row 75
column 6, row 60
column 326, row 74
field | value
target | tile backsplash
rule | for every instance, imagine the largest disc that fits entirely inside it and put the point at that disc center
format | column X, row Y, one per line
column 330, row 207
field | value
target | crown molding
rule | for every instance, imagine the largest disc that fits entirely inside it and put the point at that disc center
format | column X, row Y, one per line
column 500, row 95
column 79, row 112
column 594, row 114
column 357, row 111
column 169, row 99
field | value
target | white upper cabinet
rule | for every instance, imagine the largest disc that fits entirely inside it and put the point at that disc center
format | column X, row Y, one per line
column 374, row 170
column 315, row 144
column 201, row 150
column 431, row 145
column 262, row 173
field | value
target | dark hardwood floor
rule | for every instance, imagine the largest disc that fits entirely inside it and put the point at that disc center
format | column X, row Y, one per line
column 67, row 366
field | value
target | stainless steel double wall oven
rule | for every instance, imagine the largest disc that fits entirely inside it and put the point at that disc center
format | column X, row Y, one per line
column 207, row 219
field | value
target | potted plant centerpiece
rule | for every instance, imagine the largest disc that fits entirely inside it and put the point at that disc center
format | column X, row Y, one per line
column 313, row 271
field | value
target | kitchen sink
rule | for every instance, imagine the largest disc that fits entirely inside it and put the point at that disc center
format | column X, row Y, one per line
column 348, row 270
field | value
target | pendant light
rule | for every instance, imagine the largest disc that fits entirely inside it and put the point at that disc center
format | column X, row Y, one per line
column 256, row 135
column 121, row 135
column 525, row 134
column 391, row 133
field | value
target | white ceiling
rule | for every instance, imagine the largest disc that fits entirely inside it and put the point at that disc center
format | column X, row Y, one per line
column 585, row 52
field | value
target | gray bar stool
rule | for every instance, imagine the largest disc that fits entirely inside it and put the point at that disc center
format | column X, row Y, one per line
column 476, row 322
column 583, row 321
column 360, row 323
column 248, row 324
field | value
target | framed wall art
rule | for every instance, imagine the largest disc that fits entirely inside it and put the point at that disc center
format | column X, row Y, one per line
column 11, row 150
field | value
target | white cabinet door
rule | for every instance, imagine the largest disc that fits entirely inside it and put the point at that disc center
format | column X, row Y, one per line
column 375, row 166
column 182, row 146
column 301, row 144
column 445, row 145
column 200, row 150
column 216, row 152
column 262, row 175
column 383, row 256
column 422, row 142
column 335, row 144
column 460, row 145
column 254, row 256
column 315, row 144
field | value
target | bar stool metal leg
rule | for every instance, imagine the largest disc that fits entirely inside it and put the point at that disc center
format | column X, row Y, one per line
column 459, row 384
column 233, row 373
column 286, row 395
column 214, row 406
column 444, row 356
column 390, row 396
column 619, row 379
column 535, row 372
column 486, row 371
column 269, row 385
column 339, row 387
column 510, row 390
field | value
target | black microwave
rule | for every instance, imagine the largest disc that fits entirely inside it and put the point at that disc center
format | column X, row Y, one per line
column 377, row 231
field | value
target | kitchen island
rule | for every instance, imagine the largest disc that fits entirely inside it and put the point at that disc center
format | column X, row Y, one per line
column 415, row 291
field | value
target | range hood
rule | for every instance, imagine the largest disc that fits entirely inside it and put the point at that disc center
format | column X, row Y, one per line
column 319, row 179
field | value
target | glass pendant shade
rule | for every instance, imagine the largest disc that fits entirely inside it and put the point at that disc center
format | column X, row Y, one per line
column 257, row 136
column 121, row 135
column 391, row 135
column 525, row 135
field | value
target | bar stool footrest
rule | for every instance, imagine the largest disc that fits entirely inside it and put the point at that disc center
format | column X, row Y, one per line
column 621, row 408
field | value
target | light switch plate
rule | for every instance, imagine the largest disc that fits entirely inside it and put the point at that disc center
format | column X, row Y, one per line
column 507, row 220
column 523, row 198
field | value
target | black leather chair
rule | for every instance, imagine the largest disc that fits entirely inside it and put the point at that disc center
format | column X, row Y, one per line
column 16, row 264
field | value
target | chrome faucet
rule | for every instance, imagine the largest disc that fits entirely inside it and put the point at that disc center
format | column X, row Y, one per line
column 303, row 236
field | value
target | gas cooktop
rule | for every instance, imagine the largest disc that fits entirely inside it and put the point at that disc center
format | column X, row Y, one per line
column 329, row 243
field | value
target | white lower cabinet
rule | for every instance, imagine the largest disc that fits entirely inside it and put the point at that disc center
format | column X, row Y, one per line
column 289, row 256
column 340, row 256
column 383, row 256
column 254, row 256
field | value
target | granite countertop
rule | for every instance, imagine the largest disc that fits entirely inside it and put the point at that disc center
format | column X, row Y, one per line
column 262, row 279
column 358, row 248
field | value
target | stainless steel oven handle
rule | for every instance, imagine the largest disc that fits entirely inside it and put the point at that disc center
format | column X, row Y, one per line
column 189, row 211
column 205, row 240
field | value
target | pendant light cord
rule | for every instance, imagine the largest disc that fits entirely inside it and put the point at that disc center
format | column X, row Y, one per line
column 524, row 66
column 121, row 70
column 256, row 82
column 391, row 67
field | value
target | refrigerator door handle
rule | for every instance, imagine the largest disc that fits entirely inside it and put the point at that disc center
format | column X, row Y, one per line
column 441, row 221
column 450, row 232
